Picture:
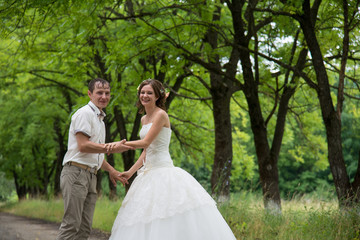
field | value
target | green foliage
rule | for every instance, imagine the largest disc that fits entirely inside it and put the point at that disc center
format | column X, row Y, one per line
column 27, row 137
column 351, row 139
column 244, row 158
column 7, row 187
column 303, row 163
column 50, row 50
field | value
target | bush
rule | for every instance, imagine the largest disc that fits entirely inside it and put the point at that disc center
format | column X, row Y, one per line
column 7, row 188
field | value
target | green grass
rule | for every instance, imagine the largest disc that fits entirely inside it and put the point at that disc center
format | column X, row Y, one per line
column 302, row 218
column 52, row 210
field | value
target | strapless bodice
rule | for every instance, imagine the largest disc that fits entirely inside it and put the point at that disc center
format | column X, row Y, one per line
column 157, row 153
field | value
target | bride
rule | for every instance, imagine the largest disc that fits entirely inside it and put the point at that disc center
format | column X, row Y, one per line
column 164, row 202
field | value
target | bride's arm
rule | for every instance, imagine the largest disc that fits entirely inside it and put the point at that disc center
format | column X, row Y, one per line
column 127, row 174
column 160, row 120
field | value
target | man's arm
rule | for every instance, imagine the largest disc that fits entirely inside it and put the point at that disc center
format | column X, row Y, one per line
column 87, row 146
column 113, row 173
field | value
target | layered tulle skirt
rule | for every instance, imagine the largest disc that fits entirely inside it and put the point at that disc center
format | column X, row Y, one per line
column 167, row 203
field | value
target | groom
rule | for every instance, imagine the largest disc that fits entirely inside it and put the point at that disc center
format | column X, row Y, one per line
column 85, row 156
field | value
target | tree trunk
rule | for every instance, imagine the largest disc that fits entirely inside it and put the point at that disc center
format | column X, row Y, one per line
column 112, row 193
column 267, row 163
column 221, row 92
column 109, row 158
column 330, row 117
column 268, row 169
column 20, row 188
column 128, row 156
column 98, row 183
column 60, row 139
column 221, row 172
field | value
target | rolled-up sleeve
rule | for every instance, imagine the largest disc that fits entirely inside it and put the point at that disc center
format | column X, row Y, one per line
column 82, row 124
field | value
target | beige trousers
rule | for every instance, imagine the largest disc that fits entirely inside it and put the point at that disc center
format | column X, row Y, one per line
column 78, row 188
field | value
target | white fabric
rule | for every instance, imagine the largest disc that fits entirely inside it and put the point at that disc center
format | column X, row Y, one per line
column 89, row 121
column 166, row 203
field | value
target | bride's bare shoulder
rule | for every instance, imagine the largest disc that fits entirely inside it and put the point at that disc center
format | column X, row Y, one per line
column 162, row 114
column 163, row 117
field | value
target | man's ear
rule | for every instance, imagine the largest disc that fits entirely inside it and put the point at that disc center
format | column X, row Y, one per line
column 89, row 93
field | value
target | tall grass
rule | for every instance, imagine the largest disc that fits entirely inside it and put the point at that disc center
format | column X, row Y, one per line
column 302, row 218
column 51, row 210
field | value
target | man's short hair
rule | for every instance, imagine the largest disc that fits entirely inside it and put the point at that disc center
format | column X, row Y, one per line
column 101, row 81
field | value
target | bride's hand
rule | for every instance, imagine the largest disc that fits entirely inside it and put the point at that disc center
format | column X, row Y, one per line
column 114, row 176
column 111, row 147
column 126, row 175
column 117, row 147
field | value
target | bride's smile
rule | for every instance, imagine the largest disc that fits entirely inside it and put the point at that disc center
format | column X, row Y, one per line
column 147, row 95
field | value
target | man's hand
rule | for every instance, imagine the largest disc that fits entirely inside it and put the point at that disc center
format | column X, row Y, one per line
column 121, row 147
column 116, row 176
column 117, row 147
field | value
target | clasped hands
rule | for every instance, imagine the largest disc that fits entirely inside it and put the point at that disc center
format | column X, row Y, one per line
column 117, row 147
column 123, row 177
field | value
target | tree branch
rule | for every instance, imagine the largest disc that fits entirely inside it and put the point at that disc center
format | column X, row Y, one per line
column 56, row 82
column 187, row 97
column 187, row 121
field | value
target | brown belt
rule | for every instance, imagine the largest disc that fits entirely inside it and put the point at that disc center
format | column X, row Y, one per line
column 83, row 166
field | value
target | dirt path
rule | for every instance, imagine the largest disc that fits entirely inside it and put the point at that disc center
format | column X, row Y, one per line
column 14, row 227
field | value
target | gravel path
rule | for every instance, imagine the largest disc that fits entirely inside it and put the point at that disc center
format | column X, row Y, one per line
column 14, row 227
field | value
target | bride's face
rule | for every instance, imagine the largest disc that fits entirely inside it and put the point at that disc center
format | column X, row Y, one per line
column 147, row 96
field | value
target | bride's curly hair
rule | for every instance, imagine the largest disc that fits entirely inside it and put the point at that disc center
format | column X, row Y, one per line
column 159, row 91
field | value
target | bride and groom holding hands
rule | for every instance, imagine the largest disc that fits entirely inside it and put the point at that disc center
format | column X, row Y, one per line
column 164, row 202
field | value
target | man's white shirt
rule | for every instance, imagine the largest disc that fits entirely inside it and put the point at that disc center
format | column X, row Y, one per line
column 89, row 121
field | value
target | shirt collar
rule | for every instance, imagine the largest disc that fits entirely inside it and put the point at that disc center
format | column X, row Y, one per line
column 96, row 110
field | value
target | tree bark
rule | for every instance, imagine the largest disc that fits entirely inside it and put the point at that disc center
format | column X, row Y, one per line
column 109, row 158
column 112, row 193
column 267, row 162
column 221, row 172
column 221, row 90
column 20, row 188
column 98, row 183
column 128, row 156
column 60, row 139
column 330, row 117
column 267, row 157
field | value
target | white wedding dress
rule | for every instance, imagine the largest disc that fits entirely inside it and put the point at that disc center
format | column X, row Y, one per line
column 166, row 203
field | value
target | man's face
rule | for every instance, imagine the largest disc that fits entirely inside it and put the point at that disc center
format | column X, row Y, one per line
column 101, row 95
